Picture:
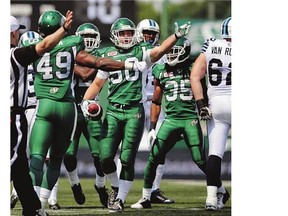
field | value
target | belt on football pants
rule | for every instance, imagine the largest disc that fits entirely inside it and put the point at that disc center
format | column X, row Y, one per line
column 125, row 106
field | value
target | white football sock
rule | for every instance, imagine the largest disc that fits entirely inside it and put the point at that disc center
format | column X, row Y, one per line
column 146, row 193
column 73, row 177
column 113, row 178
column 124, row 188
column 53, row 197
column 211, row 192
column 37, row 190
column 158, row 177
column 100, row 181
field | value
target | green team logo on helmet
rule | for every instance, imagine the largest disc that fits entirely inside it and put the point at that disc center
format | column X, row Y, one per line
column 180, row 52
column 91, row 36
column 124, row 42
column 49, row 22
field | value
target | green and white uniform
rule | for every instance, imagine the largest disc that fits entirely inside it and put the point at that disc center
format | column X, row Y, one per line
column 181, row 118
column 56, row 111
column 124, row 120
column 90, row 128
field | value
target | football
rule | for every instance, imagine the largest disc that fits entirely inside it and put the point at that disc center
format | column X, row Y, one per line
column 94, row 110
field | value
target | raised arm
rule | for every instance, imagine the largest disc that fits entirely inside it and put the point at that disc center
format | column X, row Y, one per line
column 53, row 39
column 158, row 51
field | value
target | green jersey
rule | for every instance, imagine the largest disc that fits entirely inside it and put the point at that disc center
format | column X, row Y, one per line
column 54, row 69
column 177, row 92
column 126, row 87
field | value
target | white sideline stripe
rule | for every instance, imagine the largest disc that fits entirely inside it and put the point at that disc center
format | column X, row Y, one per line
column 192, row 182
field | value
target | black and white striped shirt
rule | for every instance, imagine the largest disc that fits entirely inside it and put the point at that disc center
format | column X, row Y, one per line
column 20, row 59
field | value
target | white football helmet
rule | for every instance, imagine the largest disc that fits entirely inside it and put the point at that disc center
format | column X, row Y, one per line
column 28, row 38
column 149, row 25
column 226, row 31
column 91, row 36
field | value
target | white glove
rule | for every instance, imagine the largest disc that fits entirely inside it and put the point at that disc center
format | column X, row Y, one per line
column 182, row 30
column 205, row 113
column 151, row 138
column 136, row 66
column 140, row 66
column 84, row 107
column 91, row 109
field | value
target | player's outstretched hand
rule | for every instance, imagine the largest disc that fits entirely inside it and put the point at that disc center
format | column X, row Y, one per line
column 68, row 22
column 151, row 138
column 182, row 30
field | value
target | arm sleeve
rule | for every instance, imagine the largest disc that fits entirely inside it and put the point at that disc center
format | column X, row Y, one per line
column 26, row 55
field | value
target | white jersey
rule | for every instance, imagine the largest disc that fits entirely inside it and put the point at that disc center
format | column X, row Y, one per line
column 218, row 58
column 149, row 90
column 149, row 86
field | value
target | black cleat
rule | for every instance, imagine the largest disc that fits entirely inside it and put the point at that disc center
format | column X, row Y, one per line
column 103, row 195
column 78, row 194
column 157, row 197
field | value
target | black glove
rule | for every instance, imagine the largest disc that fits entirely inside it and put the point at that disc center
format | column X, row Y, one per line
column 203, row 110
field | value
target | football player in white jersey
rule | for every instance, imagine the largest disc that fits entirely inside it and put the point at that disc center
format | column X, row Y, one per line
column 149, row 32
column 215, row 60
column 25, row 40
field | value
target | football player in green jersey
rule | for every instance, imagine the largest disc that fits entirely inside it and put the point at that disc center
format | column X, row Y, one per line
column 124, row 119
column 88, row 127
column 149, row 32
column 56, row 116
column 172, row 81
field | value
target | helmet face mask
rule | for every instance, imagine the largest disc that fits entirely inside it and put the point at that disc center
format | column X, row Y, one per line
column 120, row 31
column 179, row 53
column 49, row 22
column 226, row 28
column 91, row 36
column 148, row 25
column 28, row 38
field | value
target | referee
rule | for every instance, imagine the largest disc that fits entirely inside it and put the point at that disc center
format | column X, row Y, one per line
column 20, row 59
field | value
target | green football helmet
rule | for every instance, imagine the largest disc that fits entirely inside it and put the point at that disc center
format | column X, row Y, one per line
column 180, row 52
column 91, row 36
column 123, row 24
column 28, row 38
column 49, row 22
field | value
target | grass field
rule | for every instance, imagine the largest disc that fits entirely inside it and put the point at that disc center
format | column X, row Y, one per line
column 189, row 199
